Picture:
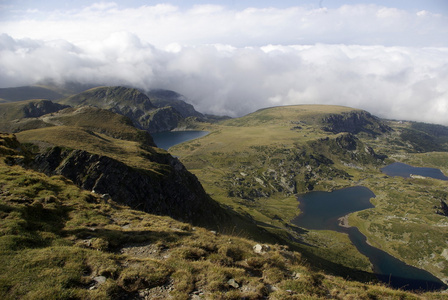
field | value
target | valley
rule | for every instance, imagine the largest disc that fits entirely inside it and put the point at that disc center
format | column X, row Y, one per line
column 239, row 185
column 266, row 158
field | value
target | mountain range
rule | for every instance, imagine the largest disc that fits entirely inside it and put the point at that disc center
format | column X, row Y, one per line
column 166, row 111
column 90, row 202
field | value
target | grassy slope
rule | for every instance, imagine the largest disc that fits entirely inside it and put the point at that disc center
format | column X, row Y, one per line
column 30, row 92
column 110, row 97
column 97, row 131
column 402, row 219
column 237, row 145
column 57, row 241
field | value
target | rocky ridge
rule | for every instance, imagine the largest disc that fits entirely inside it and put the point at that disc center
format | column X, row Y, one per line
column 163, row 98
column 354, row 122
column 131, row 103
column 176, row 192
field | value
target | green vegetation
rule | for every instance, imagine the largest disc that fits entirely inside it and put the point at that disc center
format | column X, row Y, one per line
column 256, row 164
column 58, row 241
column 110, row 97
column 30, row 92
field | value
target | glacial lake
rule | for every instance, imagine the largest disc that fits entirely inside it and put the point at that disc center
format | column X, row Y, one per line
column 167, row 139
column 404, row 170
column 321, row 210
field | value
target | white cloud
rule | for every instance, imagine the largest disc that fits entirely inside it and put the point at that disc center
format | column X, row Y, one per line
column 392, row 82
column 390, row 62
column 164, row 24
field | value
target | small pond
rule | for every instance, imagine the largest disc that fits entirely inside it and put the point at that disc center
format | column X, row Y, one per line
column 167, row 139
column 321, row 211
column 404, row 170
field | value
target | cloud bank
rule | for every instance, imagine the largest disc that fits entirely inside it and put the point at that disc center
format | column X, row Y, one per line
column 163, row 24
column 235, row 62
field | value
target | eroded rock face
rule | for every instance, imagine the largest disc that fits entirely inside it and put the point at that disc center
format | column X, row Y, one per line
column 39, row 108
column 354, row 122
column 177, row 193
column 442, row 209
column 163, row 98
column 162, row 119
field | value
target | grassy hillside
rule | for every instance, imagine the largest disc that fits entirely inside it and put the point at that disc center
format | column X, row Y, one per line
column 110, row 97
column 105, row 135
column 256, row 164
column 27, row 109
column 57, row 241
column 30, row 92
column 79, row 245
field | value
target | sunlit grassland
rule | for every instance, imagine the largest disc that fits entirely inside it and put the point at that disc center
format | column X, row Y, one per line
column 58, row 241
column 246, row 143
column 403, row 222
column 126, row 151
column 437, row 160
column 309, row 114
column 210, row 158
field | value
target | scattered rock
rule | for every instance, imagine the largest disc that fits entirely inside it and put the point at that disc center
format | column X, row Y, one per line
column 271, row 288
column 343, row 222
column 261, row 249
column 445, row 254
column 99, row 279
column 233, row 283
column 158, row 292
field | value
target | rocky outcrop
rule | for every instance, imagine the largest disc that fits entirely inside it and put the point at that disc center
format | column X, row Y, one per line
column 354, row 122
column 19, row 116
column 347, row 147
column 162, row 119
column 39, row 108
column 177, row 193
column 28, row 109
column 442, row 209
column 163, row 98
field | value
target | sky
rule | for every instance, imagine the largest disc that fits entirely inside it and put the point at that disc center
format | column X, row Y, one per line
column 234, row 57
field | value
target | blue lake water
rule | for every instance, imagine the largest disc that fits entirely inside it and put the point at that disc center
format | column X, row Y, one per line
column 167, row 139
column 321, row 210
column 404, row 170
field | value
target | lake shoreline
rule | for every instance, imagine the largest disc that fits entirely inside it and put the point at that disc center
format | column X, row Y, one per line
column 343, row 221
column 331, row 210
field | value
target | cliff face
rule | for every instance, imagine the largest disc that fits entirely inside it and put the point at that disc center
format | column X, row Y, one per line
column 162, row 119
column 164, row 98
column 39, row 108
column 354, row 122
column 177, row 193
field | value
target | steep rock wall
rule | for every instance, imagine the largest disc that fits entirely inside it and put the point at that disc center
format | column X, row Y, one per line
column 354, row 122
column 177, row 193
